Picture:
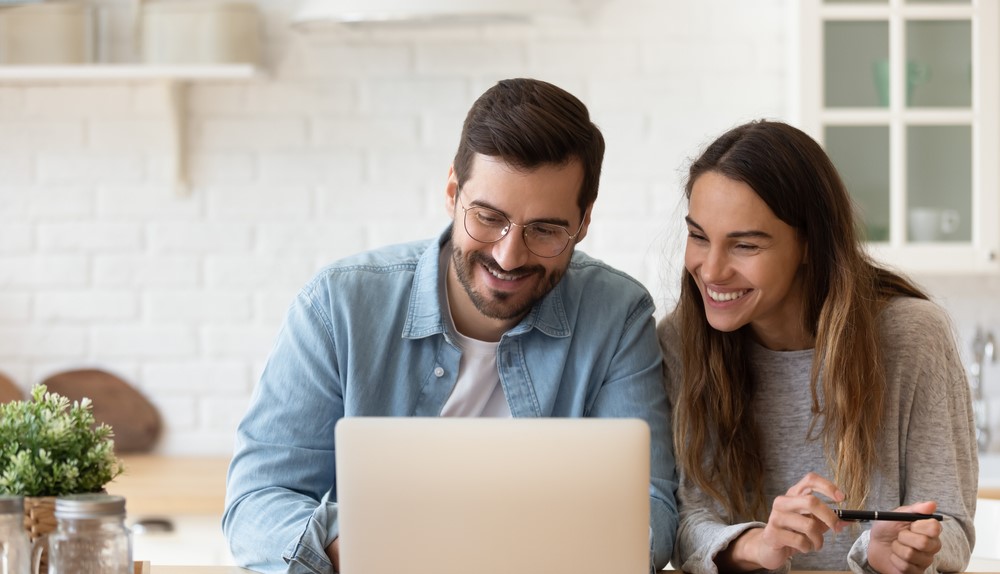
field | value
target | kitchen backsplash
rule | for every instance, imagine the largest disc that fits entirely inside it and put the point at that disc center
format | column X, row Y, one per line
column 342, row 145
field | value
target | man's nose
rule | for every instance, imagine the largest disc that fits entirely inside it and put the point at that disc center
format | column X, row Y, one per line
column 511, row 252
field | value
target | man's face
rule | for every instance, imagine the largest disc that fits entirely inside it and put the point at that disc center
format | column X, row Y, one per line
column 500, row 281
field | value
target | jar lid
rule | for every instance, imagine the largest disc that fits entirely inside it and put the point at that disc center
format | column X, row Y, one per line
column 89, row 505
column 11, row 504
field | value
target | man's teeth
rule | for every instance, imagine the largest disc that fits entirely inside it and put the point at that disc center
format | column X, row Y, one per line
column 722, row 297
column 502, row 276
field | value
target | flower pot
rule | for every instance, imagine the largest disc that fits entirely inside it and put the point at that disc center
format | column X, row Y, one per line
column 39, row 521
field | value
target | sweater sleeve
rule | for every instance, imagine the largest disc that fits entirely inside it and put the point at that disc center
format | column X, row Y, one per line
column 938, row 458
column 702, row 532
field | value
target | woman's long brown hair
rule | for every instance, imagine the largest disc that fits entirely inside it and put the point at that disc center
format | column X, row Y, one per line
column 716, row 435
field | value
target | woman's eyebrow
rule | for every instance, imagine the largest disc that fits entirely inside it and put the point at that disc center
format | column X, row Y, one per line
column 752, row 234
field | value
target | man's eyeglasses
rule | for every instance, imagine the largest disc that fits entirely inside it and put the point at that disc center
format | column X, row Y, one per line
column 487, row 225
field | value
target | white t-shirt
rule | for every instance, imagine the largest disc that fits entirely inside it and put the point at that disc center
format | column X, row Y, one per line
column 477, row 392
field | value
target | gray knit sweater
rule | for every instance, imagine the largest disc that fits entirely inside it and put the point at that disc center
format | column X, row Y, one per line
column 927, row 451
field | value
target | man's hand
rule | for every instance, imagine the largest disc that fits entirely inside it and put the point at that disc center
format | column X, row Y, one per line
column 333, row 553
column 905, row 547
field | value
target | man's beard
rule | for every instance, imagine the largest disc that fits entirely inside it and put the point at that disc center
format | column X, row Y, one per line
column 501, row 305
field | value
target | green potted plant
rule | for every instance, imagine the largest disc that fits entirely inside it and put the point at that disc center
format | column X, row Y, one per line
column 50, row 447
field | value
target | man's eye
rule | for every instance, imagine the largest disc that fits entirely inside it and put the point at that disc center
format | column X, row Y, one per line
column 544, row 231
column 490, row 219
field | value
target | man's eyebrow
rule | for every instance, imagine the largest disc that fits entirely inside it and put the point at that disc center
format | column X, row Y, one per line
column 550, row 220
column 751, row 234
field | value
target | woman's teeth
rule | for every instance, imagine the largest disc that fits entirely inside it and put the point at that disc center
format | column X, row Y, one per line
column 723, row 297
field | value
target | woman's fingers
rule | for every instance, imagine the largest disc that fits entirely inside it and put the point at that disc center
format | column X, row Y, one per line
column 909, row 547
column 807, row 505
column 814, row 483
column 798, row 531
column 798, row 521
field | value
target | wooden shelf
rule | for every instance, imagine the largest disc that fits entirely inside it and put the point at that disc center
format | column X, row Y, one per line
column 127, row 72
column 172, row 78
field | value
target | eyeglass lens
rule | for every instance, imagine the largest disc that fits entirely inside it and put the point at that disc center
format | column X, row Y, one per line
column 489, row 226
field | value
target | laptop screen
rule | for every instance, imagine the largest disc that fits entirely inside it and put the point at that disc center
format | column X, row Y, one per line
column 485, row 496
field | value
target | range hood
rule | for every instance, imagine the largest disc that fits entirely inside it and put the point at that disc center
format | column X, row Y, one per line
column 321, row 12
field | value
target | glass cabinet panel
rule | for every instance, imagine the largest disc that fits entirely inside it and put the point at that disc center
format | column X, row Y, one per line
column 939, row 63
column 861, row 154
column 939, row 183
column 851, row 55
column 904, row 95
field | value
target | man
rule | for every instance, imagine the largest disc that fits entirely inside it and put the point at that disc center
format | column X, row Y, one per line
column 499, row 317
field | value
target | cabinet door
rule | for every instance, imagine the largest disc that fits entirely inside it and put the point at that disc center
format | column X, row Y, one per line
column 903, row 94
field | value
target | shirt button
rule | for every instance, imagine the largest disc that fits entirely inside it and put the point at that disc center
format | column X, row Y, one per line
column 438, row 372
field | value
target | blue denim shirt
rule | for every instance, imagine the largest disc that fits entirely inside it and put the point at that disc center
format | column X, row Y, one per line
column 366, row 337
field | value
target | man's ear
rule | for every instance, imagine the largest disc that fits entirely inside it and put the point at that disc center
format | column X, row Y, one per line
column 586, row 224
column 451, row 192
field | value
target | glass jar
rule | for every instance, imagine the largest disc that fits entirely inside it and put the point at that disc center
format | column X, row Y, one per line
column 15, row 547
column 91, row 536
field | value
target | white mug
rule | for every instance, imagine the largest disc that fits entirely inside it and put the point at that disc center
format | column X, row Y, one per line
column 931, row 224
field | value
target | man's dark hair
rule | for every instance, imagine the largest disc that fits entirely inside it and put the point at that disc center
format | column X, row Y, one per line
column 529, row 123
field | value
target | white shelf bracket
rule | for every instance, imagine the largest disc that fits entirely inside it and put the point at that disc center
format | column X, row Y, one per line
column 174, row 95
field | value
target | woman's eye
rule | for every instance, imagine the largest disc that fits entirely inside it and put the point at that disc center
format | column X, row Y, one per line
column 747, row 247
column 696, row 236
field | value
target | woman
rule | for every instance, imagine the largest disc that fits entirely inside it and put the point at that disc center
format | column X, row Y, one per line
column 804, row 377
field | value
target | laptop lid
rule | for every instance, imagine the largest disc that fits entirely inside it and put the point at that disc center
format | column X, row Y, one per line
column 492, row 496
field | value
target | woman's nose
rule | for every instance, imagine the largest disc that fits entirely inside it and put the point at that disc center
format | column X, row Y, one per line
column 715, row 266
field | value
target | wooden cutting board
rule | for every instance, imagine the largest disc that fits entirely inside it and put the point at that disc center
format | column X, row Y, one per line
column 135, row 420
column 8, row 390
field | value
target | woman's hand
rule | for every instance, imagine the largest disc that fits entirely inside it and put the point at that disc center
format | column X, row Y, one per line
column 797, row 524
column 905, row 547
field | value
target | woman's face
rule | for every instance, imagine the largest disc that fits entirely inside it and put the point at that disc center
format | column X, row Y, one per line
column 747, row 263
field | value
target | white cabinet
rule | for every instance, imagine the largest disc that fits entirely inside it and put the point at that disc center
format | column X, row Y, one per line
column 904, row 96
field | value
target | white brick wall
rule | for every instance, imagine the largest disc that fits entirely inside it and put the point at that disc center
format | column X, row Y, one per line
column 343, row 146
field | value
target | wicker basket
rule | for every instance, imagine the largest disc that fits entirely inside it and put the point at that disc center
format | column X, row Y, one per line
column 39, row 521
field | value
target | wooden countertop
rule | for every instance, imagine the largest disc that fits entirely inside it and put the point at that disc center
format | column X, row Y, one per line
column 234, row 570
column 147, row 569
column 167, row 485
column 989, row 492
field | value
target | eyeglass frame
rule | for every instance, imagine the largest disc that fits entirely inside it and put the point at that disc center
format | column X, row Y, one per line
column 507, row 228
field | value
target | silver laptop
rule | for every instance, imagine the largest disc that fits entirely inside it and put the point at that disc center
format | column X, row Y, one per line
column 492, row 496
